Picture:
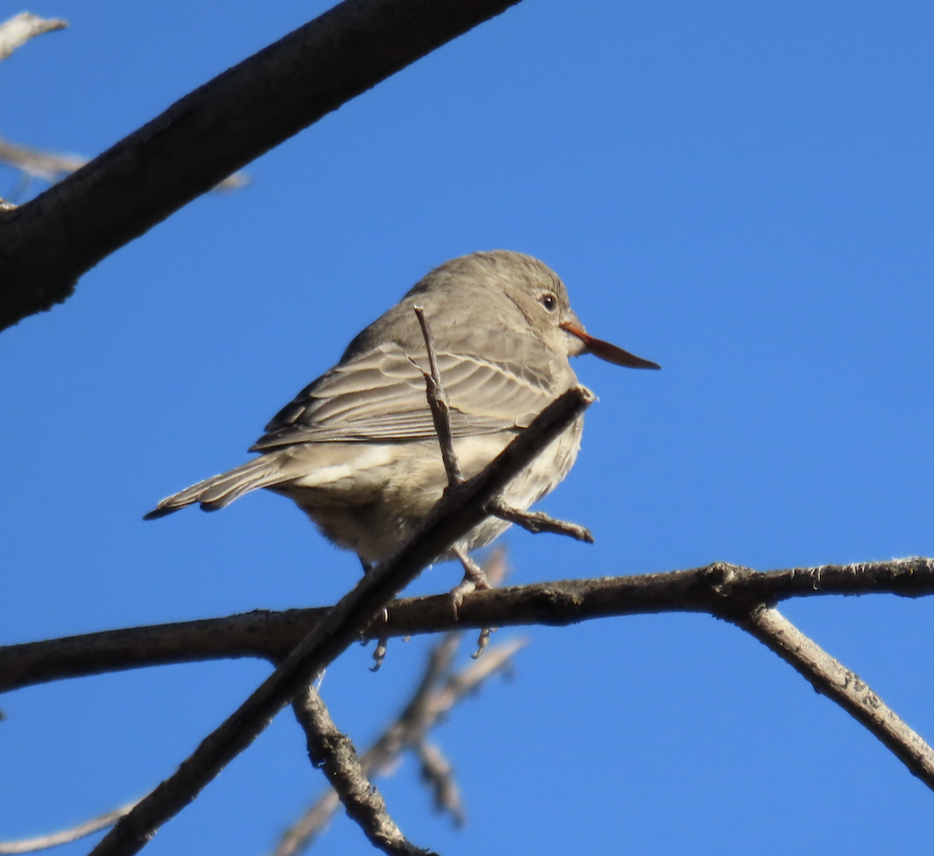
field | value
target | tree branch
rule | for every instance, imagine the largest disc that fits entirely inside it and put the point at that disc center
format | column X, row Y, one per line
column 65, row 836
column 51, row 166
column 438, row 403
column 720, row 589
column 47, row 243
column 433, row 698
column 332, row 751
column 458, row 511
column 830, row 678
column 16, row 31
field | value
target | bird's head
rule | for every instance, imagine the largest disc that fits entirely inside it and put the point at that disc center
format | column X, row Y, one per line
column 542, row 298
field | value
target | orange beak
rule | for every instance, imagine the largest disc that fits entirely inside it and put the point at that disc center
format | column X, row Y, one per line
column 608, row 352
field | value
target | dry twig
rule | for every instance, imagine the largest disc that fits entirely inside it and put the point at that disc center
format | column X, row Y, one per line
column 19, row 29
column 438, row 402
column 333, row 752
column 831, row 678
column 65, row 836
column 432, row 699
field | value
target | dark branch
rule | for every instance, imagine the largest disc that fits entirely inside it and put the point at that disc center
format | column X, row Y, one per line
column 458, row 511
column 719, row 589
column 49, row 242
column 332, row 752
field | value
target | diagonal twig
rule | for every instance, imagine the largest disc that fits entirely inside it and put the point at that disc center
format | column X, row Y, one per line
column 831, row 678
column 64, row 836
column 438, row 402
column 52, row 166
column 432, row 700
column 458, row 511
column 333, row 752
column 537, row 522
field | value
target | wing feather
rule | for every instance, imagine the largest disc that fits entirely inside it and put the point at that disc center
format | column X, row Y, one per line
column 379, row 396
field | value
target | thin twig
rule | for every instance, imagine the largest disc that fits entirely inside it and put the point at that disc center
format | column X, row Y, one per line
column 272, row 635
column 832, row 679
column 52, row 166
column 333, row 752
column 16, row 31
column 432, row 700
column 438, row 402
column 458, row 511
column 537, row 522
column 65, row 836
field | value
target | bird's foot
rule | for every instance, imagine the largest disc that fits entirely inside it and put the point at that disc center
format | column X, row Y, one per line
column 474, row 579
column 380, row 653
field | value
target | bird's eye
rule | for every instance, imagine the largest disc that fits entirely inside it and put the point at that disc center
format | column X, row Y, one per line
column 549, row 301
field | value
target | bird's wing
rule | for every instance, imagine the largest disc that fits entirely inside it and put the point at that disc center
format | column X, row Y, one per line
column 379, row 396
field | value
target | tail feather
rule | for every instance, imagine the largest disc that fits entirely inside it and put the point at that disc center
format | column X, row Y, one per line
column 221, row 490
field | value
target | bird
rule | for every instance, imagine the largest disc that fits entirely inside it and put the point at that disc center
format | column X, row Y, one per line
column 357, row 448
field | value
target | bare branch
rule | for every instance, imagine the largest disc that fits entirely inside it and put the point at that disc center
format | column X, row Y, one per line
column 458, row 511
column 829, row 677
column 432, row 700
column 438, row 402
column 19, row 29
column 719, row 589
column 333, row 752
column 65, row 836
column 51, row 166
column 45, row 165
column 537, row 522
column 48, row 243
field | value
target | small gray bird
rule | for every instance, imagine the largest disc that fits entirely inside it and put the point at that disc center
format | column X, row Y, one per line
column 357, row 449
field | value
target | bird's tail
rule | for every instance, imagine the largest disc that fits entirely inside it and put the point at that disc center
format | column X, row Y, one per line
column 218, row 491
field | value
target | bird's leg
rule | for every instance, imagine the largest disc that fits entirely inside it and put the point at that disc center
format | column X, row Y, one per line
column 474, row 580
column 483, row 641
column 538, row 522
column 380, row 653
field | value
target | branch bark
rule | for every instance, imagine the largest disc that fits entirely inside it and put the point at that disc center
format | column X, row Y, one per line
column 831, row 678
column 333, row 752
column 720, row 589
column 433, row 698
column 49, row 242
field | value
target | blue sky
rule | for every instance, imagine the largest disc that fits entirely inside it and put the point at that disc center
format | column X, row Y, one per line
column 742, row 192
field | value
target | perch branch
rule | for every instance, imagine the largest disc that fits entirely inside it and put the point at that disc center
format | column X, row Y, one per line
column 718, row 588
